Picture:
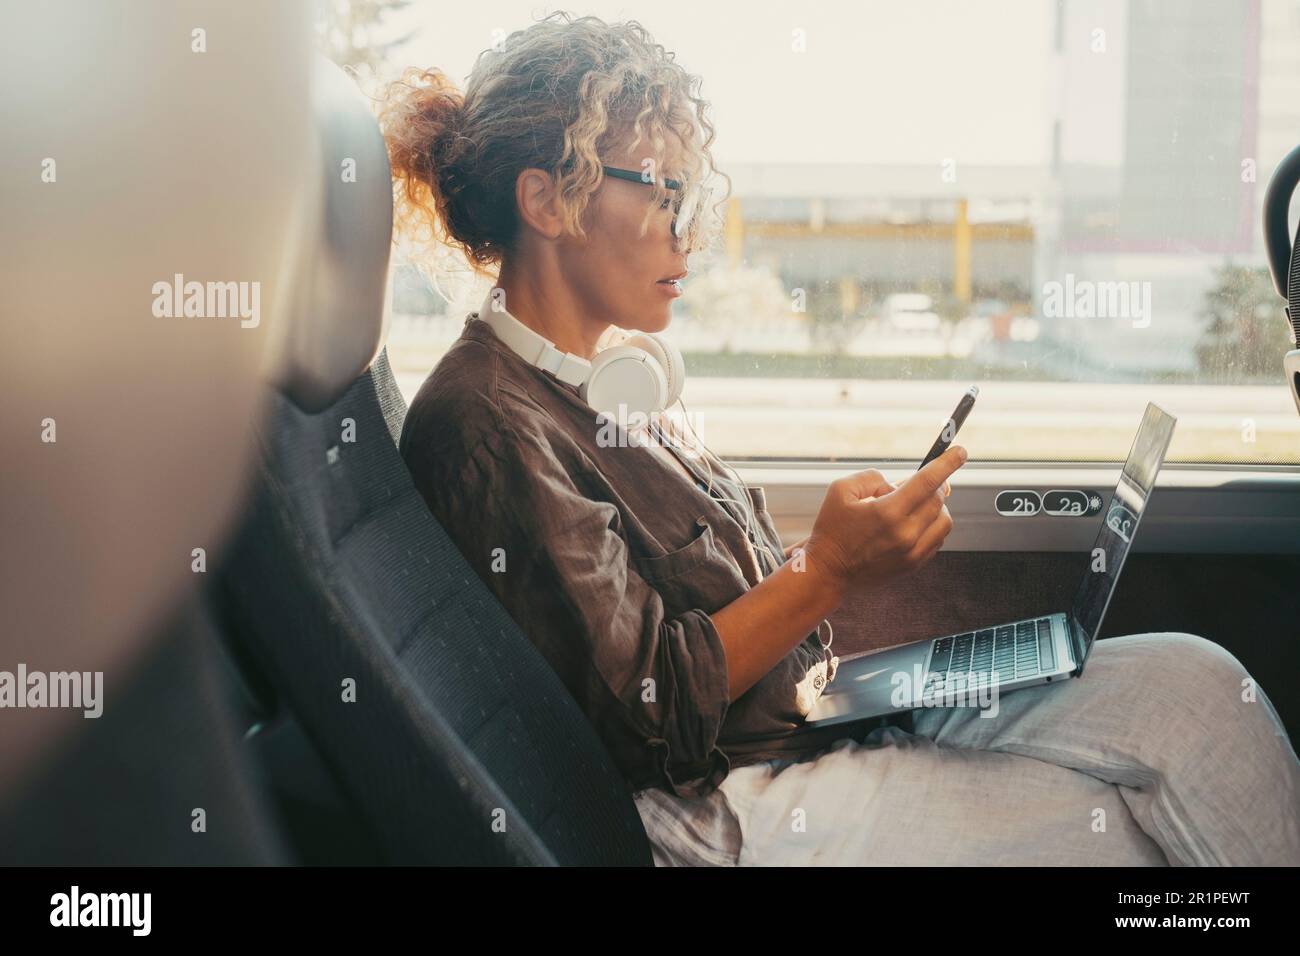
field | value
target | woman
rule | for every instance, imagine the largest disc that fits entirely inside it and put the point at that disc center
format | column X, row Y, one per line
column 658, row 588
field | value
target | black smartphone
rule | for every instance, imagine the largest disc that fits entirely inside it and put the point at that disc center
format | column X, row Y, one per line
column 952, row 426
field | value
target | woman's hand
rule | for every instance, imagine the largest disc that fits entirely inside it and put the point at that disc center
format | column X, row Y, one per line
column 803, row 542
column 868, row 531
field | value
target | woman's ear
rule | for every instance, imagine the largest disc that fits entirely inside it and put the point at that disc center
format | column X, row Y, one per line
column 538, row 202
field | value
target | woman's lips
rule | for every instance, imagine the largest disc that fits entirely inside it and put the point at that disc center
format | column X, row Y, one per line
column 671, row 287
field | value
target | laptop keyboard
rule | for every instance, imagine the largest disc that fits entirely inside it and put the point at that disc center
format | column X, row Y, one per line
column 1013, row 650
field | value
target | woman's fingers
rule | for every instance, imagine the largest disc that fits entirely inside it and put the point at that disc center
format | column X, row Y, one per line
column 861, row 485
column 931, row 540
column 930, row 479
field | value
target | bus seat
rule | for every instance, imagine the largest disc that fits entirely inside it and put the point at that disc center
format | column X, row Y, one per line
column 443, row 724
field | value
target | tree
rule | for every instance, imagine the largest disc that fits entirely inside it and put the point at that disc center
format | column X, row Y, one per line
column 1246, row 333
column 951, row 310
column 351, row 32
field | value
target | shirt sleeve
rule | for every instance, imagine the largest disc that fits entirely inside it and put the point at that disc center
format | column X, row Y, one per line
column 654, row 686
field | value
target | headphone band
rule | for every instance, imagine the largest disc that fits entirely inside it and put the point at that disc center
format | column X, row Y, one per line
column 533, row 347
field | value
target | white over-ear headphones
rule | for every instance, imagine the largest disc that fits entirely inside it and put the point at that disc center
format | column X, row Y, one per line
column 643, row 373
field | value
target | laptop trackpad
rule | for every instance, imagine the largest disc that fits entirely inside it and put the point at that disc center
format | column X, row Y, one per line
column 880, row 683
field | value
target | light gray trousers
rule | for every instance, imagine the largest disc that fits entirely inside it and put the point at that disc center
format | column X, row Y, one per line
column 1164, row 752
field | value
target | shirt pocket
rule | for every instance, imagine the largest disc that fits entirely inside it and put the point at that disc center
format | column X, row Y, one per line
column 666, row 567
column 702, row 575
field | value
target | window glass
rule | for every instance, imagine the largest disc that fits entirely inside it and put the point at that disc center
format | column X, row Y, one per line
column 1059, row 202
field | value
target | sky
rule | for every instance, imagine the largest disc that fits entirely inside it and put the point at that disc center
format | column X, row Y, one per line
column 904, row 81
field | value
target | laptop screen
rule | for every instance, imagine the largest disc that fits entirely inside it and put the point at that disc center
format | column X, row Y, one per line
column 1136, row 482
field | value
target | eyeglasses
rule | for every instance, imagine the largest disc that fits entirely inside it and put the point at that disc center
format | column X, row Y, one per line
column 687, row 208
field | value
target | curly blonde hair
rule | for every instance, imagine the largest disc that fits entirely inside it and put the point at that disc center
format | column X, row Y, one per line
column 552, row 97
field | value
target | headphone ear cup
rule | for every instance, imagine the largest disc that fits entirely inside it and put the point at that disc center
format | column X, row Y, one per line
column 669, row 359
column 626, row 375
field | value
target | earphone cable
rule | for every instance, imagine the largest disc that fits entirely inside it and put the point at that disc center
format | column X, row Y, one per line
column 747, row 511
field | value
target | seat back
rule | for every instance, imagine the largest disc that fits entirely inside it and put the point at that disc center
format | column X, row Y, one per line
column 161, row 778
column 128, row 163
column 448, row 729
column 442, row 723
column 1284, row 257
column 126, row 421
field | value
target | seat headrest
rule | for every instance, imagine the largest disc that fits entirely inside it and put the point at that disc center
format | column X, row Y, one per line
column 146, row 149
column 336, row 317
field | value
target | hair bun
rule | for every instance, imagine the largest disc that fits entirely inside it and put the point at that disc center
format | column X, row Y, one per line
column 422, row 118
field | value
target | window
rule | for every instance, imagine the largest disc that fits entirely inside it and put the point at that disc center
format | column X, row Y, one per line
column 1059, row 202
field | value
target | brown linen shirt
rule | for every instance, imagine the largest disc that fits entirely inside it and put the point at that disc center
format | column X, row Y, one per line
column 611, row 561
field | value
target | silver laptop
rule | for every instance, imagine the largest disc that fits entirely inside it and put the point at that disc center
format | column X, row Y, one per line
column 967, row 669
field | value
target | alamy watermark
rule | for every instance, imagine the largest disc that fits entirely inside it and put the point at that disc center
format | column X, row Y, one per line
column 1085, row 299
column 973, row 689
column 624, row 429
column 75, row 908
column 83, row 690
column 208, row 300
